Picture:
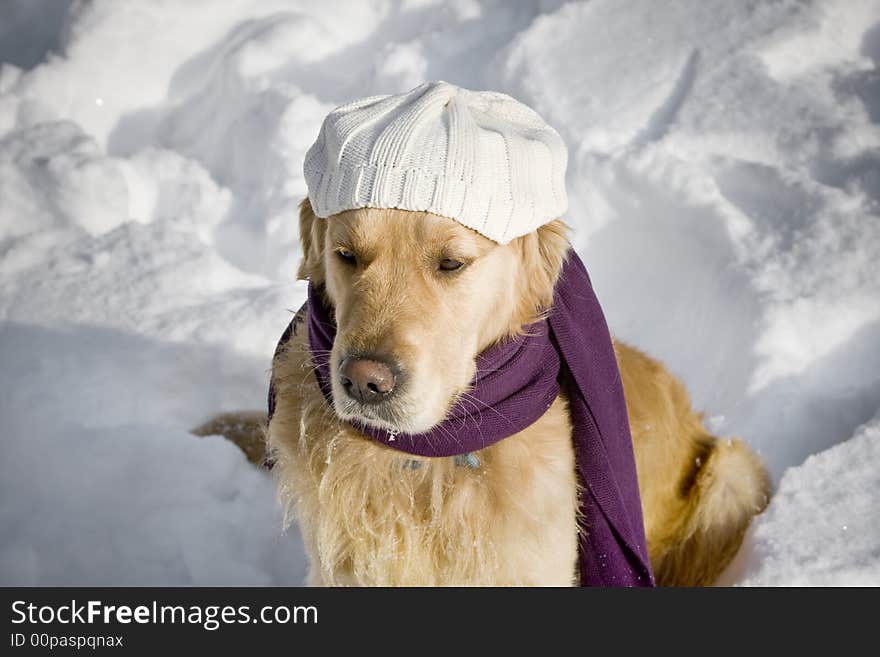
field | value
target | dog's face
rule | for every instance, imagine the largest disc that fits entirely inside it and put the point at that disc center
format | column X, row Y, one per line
column 417, row 297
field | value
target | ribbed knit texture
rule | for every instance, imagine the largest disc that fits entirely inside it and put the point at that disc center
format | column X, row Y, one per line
column 479, row 157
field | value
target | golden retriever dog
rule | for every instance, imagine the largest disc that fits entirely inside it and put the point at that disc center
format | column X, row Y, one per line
column 371, row 515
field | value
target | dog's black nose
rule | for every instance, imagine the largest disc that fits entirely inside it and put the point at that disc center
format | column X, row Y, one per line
column 368, row 379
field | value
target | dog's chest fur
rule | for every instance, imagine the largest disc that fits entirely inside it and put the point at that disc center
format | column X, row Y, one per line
column 371, row 515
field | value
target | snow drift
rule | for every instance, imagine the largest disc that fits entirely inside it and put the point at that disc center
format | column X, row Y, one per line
column 724, row 180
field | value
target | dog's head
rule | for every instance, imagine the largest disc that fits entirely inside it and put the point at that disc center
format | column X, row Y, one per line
column 417, row 297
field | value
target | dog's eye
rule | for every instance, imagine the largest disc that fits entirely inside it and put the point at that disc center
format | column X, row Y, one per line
column 448, row 264
column 346, row 255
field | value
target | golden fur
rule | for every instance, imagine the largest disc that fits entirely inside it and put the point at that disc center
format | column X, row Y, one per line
column 370, row 515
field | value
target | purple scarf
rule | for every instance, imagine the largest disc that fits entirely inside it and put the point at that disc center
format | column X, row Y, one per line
column 516, row 383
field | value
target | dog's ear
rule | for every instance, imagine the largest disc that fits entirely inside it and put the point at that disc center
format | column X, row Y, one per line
column 543, row 253
column 311, row 237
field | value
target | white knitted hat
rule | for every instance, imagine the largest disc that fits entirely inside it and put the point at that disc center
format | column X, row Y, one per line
column 479, row 157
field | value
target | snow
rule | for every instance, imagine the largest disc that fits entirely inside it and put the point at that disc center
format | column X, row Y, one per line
column 724, row 181
column 821, row 529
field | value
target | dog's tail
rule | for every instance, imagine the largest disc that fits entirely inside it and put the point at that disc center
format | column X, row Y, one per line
column 247, row 429
column 727, row 487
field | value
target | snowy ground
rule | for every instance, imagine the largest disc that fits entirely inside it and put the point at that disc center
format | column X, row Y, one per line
column 725, row 181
